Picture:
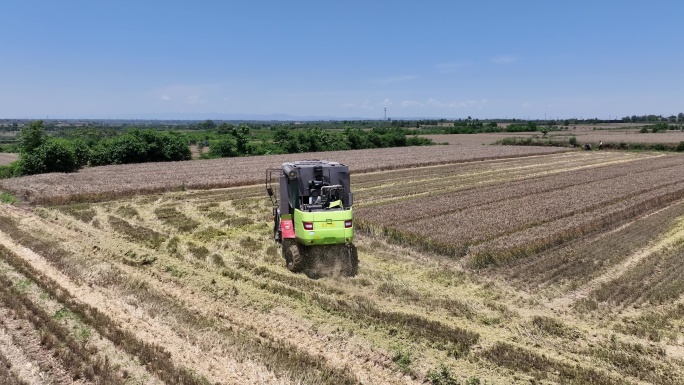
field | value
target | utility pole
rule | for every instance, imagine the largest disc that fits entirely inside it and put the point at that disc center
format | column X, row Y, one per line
column 385, row 113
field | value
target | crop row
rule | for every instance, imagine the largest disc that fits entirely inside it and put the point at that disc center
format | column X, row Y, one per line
column 8, row 376
column 81, row 361
column 584, row 259
column 102, row 183
column 534, row 239
column 475, row 195
column 498, row 218
column 656, row 280
column 656, row 324
column 154, row 357
column 281, row 357
column 545, row 368
column 328, row 298
column 480, row 223
column 457, row 176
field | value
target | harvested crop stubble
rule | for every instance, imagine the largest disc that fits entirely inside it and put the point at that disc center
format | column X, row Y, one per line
column 107, row 182
column 583, row 259
column 472, row 196
column 446, row 179
column 473, row 225
column 656, row 280
column 541, row 236
column 278, row 356
column 542, row 367
column 494, row 221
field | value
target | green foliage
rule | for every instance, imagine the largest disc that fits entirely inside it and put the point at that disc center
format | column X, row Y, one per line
column 40, row 154
column 662, row 126
column 81, row 152
column 10, row 170
column 529, row 127
column 680, row 146
column 442, row 376
column 139, row 146
column 241, row 135
column 54, row 155
column 223, row 148
column 573, row 141
column 403, row 360
column 31, row 137
column 7, row 198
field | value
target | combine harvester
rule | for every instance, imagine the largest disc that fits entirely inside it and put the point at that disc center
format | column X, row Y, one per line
column 312, row 213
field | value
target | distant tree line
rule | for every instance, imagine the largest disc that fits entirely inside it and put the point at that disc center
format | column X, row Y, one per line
column 282, row 139
column 40, row 153
column 475, row 126
column 70, row 150
column 679, row 118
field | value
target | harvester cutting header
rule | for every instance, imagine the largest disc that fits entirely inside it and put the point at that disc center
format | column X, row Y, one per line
column 312, row 213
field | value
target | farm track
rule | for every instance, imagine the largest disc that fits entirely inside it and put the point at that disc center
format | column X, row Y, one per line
column 194, row 274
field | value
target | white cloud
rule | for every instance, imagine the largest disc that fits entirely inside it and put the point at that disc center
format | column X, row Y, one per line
column 367, row 105
column 386, row 103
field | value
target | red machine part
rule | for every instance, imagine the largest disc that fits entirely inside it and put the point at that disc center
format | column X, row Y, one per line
column 287, row 228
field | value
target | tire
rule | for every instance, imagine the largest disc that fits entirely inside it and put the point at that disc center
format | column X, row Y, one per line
column 293, row 253
column 353, row 255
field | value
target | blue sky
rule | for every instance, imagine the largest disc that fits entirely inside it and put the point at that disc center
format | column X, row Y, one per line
column 344, row 59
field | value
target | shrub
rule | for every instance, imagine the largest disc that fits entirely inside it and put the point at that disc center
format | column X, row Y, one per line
column 138, row 146
column 680, row 146
column 9, row 170
column 223, row 148
column 7, row 198
column 32, row 136
column 54, row 155
column 81, row 152
column 442, row 376
column 573, row 141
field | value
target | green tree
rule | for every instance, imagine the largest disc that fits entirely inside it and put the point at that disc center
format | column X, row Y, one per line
column 32, row 136
column 206, row 125
column 223, row 148
column 241, row 135
column 54, row 155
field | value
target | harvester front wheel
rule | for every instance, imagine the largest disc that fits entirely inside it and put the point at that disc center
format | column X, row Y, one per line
column 294, row 259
